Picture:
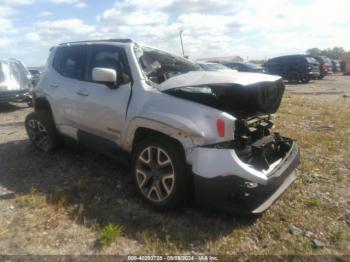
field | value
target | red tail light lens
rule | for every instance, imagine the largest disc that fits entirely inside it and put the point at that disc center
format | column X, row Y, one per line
column 220, row 127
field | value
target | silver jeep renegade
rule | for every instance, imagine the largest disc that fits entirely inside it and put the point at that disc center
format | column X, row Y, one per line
column 187, row 133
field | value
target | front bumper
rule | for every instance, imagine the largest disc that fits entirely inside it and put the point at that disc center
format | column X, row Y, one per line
column 13, row 96
column 314, row 74
column 237, row 188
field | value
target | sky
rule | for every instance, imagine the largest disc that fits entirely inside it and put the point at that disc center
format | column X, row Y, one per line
column 253, row 29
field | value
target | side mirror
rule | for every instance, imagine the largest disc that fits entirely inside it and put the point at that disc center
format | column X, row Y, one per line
column 104, row 75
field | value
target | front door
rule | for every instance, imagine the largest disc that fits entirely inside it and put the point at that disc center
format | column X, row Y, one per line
column 103, row 107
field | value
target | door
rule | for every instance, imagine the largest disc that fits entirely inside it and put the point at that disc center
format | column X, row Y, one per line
column 66, row 78
column 103, row 107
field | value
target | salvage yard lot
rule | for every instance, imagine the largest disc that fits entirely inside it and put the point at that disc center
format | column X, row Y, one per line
column 63, row 203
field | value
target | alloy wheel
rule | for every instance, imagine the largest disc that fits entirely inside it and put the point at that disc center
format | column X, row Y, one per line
column 38, row 134
column 155, row 173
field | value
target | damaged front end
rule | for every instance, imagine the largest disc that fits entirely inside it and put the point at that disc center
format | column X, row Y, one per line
column 248, row 174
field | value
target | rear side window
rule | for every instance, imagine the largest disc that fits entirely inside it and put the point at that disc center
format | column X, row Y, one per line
column 2, row 75
column 71, row 61
column 58, row 59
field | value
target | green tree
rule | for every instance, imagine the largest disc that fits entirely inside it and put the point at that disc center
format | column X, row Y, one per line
column 314, row 51
column 332, row 53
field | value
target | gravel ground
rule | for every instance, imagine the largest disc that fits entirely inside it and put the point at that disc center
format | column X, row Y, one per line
column 331, row 87
column 58, row 203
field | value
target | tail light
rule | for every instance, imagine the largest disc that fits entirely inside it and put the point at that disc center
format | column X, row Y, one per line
column 220, row 127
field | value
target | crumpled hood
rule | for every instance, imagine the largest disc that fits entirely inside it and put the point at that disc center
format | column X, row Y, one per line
column 198, row 78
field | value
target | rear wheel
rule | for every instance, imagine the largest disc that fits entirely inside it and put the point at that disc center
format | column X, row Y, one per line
column 159, row 173
column 293, row 77
column 41, row 131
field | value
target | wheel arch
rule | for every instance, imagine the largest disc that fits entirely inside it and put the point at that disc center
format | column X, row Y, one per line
column 42, row 104
column 143, row 132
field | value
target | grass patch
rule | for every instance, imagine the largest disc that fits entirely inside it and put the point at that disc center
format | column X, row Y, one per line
column 312, row 202
column 340, row 235
column 110, row 233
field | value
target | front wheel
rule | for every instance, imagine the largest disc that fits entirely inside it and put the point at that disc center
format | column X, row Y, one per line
column 159, row 173
column 305, row 79
column 41, row 131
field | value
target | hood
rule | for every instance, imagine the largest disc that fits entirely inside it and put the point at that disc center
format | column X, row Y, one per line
column 199, row 78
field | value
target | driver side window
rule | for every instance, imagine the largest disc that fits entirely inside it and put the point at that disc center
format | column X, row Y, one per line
column 109, row 57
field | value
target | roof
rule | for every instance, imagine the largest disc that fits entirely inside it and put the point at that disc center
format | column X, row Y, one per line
column 123, row 40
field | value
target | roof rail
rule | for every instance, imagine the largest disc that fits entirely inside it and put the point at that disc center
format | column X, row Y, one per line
column 126, row 40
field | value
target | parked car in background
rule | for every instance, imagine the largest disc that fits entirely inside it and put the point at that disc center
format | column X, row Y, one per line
column 325, row 66
column 294, row 68
column 35, row 76
column 245, row 67
column 15, row 81
column 342, row 66
column 336, row 66
column 214, row 67
column 167, row 115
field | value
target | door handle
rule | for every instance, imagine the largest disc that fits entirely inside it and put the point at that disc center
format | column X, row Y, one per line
column 82, row 93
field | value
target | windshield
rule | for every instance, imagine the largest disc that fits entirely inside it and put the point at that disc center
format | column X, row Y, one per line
column 311, row 60
column 159, row 66
column 214, row 67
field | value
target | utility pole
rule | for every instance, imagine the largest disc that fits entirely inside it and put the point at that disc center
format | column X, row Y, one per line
column 182, row 45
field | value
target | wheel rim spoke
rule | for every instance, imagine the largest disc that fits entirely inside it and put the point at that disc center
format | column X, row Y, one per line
column 168, row 188
column 146, row 156
column 143, row 177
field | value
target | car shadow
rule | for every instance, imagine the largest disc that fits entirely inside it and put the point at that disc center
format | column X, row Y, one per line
column 9, row 107
column 287, row 83
column 96, row 190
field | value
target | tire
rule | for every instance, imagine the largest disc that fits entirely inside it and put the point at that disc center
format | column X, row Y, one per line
column 305, row 79
column 321, row 77
column 293, row 77
column 42, row 131
column 163, row 185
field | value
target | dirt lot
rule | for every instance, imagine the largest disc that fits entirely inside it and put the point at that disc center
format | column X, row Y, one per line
column 62, row 203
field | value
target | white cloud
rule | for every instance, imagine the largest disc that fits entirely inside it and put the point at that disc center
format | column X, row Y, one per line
column 16, row 2
column 33, row 37
column 80, row 5
column 6, row 26
column 64, row 1
column 5, row 42
column 67, row 26
column 252, row 28
column 119, row 18
column 45, row 13
column 75, row 3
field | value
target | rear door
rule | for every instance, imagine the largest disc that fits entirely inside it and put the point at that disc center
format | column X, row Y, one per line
column 63, row 84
